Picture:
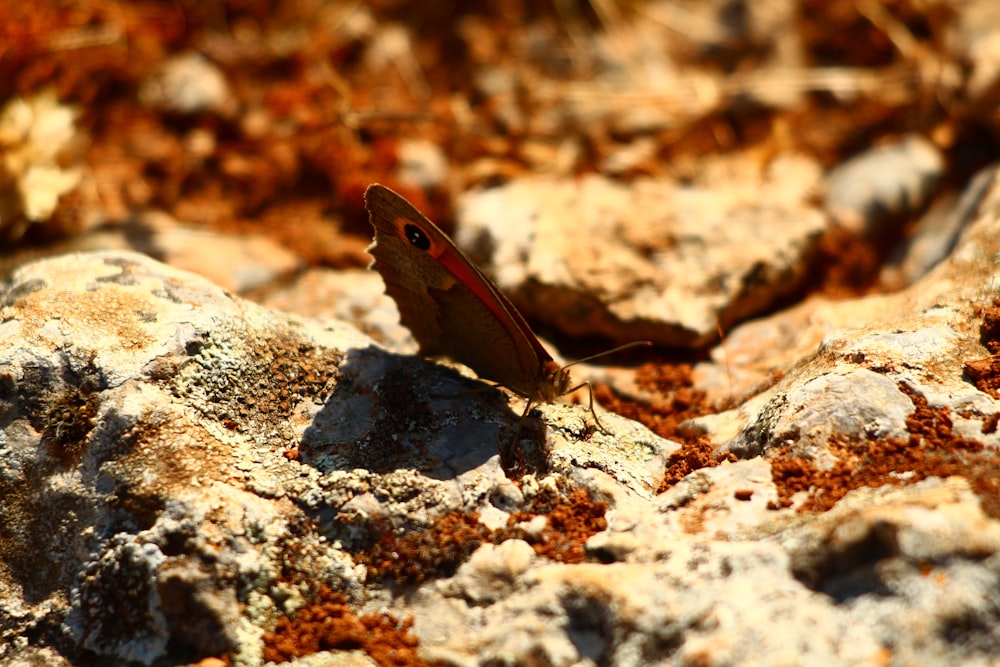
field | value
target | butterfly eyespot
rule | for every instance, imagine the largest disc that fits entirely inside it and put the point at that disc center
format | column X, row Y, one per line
column 416, row 237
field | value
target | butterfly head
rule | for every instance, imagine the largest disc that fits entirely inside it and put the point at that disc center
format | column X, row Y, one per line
column 555, row 382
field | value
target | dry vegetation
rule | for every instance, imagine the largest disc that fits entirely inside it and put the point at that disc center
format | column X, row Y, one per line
column 299, row 105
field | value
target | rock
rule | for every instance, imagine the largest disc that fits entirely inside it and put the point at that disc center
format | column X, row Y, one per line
column 974, row 36
column 879, row 186
column 196, row 465
column 852, row 402
column 858, row 580
column 239, row 263
column 30, row 656
column 422, row 164
column 931, row 522
column 654, row 260
column 353, row 295
column 188, row 83
column 201, row 469
column 492, row 571
column 935, row 234
column 855, row 351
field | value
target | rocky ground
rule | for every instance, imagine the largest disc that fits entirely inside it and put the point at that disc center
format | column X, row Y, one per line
column 218, row 447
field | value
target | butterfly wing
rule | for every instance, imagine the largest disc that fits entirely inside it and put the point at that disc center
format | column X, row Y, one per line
column 447, row 302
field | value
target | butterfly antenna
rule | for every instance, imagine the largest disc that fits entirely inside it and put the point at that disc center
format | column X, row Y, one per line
column 590, row 388
column 643, row 343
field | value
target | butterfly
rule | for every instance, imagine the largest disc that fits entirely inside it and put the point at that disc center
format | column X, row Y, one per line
column 453, row 309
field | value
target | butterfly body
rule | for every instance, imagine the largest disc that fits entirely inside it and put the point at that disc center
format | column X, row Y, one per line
column 453, row 309
column 450, row 306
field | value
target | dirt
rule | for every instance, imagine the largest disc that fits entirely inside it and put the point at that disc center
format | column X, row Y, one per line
column 933, row 449
column 329, row 624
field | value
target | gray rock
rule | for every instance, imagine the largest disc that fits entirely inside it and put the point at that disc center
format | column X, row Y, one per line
column 237, row 263
column 882, row 184
column 195, row 465
column 857, row 403
column 934, row 236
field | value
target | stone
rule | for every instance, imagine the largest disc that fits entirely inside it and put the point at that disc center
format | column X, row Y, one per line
column 652, row 260
column 188, row 83
column 877, row 187
column 196, row 464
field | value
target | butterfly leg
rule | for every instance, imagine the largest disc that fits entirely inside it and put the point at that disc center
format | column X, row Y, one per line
column 520, row 422
column 512, row 456
column 590, row 393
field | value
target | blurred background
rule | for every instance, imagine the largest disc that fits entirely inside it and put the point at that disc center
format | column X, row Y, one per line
column 177, row 128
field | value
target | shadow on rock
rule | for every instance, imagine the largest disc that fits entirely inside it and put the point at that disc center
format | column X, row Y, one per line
column 391, row 412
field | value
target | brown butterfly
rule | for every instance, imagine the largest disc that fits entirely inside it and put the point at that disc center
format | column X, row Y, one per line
column 454, row 310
